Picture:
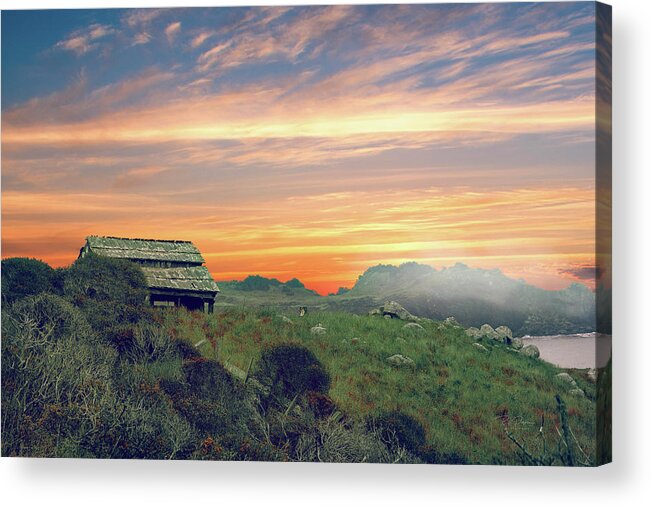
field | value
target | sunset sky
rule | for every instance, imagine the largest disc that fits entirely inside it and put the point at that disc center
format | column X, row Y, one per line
column 309, row 142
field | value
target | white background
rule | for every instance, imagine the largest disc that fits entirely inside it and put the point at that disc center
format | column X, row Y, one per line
column 627, row 481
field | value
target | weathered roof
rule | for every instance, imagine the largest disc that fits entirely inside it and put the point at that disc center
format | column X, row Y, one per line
column 196, row 279
column 145, row 249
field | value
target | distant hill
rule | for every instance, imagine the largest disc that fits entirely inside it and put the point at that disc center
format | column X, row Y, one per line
column 477, row 296
column 472, row 296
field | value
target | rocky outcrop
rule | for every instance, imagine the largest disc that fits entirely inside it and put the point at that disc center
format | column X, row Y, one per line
column 394, row 310
column 505, row 334
column 517, row 343
column 566, row 378
column 487, row 332
column 473, row 332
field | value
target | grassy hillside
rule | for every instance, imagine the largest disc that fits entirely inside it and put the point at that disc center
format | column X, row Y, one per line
column 90, row 370
column 462, row 395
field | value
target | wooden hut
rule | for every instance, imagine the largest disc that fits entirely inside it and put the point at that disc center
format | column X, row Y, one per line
column 174, row 270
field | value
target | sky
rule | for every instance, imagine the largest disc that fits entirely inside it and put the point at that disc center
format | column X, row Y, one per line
column 310, row 142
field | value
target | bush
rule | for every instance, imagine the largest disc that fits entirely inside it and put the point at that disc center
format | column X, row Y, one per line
column 51, row 317
column 111, row 293
column 104, row 279
column 398, row 429
column 290, row 370
column 22, row 277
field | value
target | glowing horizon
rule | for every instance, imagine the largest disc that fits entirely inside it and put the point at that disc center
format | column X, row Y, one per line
column 307, row 142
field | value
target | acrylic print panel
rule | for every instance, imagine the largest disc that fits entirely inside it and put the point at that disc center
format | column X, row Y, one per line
column 371, row 234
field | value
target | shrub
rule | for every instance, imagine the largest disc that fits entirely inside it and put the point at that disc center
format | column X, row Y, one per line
column 51, row 317
column 111, row 293
column 289, row 370
column 398, row 429
column 22, row 277
column 149, row 343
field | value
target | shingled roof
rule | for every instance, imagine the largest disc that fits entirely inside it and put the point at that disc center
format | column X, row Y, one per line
column 145, row 249
column 196, row 279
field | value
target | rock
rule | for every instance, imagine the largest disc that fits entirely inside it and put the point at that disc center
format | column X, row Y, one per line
column 375, row 312
column 517, row 343
column 451, row 320
column 566, row 378
column 395, row 310
column 287, row 320
column 473, row 332
column 354, row 340
column 400, row 361
column 506, row 336
column 388, row 317
column 413, row 326
column 486, row 331
column 530, row 351
column 576, row 392
column 319, row 330
column 592, row 375
column 480, row 346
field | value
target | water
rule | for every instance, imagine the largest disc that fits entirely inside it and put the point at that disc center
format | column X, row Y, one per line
column 578, row 351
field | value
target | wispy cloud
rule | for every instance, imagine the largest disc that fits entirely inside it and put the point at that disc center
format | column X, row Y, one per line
column 172, row 30
column 83, row 41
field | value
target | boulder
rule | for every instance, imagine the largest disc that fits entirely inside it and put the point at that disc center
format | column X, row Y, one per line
column 517, row 343
column 388, row 317
column 451, row 320
column 375, row 312
column 530, row 351
column 480, row 346
column 473, row 332
column 487, row 332
column 319, row 330
column 413, row 326
column 577, row 392
column 506, row 336
column 395, row 310
column 400, row 361
column 566, row 378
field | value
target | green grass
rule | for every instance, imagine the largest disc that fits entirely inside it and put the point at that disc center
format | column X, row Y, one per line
column 462, row 395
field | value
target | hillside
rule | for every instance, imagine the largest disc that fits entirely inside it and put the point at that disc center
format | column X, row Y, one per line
column 462, row 395
column 90, row 370
column 472, row 296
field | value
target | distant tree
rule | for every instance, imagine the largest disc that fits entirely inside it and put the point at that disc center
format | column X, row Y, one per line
column 22, row 277
column 294, row 283
column 257, row 283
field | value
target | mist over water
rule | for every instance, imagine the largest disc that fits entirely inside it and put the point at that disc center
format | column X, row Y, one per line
column 578, row 351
